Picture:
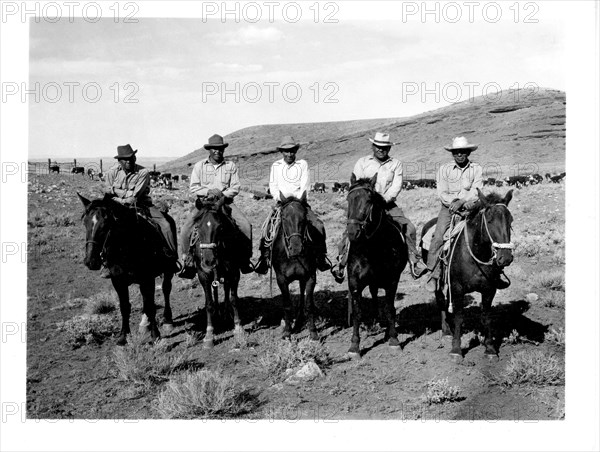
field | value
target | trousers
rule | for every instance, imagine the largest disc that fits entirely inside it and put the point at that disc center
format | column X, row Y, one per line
column 443, row 223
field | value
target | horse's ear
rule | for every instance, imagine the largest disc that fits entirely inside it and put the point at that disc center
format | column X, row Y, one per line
column 507, row 197
column 482, row 198
column 373, row 180
column 303, row 197
column 282, row 198
column 352, row 179
column 86, row 202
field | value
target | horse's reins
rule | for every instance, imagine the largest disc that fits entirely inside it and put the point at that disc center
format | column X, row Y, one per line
column 368, row 216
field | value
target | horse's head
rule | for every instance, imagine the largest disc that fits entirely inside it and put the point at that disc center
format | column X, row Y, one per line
column 293, row 223
column 210, row 226
column 97, row 220
column 497, row 220
column 365, row 207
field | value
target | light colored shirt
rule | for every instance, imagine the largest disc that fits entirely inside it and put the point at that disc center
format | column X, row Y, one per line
column 389, row 175
column 289, row 180
column 207, row 175
column 454, row 182
column 130, row 188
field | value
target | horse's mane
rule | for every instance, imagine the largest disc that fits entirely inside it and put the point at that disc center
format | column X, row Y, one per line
column 494, row 198
column 290, row 199
column 365, row 182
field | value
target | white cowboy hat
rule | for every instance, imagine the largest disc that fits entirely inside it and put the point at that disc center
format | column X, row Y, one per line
column 381, row 140
column 461, row 143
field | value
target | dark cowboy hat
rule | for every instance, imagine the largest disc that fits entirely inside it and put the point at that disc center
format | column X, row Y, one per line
column 288, row 144
column 216, row 142
column 461, row 143
column 125, row 152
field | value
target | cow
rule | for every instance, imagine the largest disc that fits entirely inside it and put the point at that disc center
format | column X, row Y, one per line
column 344, row 187
column 184, row 178
column 499, row 183
column 55, row 169
column 78, row 170
column 101, row 176
column 425, row 183
column 535, row 179
column 556, row 178
column 319, row 187
column 490, row 181
column 91, row 173
column 175, row 178
column 407, row 185
column 166, row 176
column 517, row 181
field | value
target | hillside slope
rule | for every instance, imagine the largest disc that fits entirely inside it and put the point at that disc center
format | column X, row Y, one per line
column 518, row 132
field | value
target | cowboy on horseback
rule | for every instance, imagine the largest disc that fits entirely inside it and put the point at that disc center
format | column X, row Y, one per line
column 290, row 177
column 212, row 179
column 129, row 184
column 389, row 185
column 457, row 184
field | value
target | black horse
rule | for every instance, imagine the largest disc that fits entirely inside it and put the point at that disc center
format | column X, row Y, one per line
column 476, row 261
column 376, row 258
column 131, row 248
column 293, row 259
column 217, row 262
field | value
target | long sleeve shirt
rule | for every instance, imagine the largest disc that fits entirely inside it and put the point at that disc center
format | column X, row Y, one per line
column 206, row 175
column 130, row 188
column 389, row 175
column 289, row 180
column 454, row 182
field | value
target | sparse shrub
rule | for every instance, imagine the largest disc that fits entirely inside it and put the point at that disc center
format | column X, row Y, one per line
column 558, row 258
column 192, row 338
column 440, row 391
column 555, row 336
column 554, row 299
column 533, row 367
column 60, row 219
column 204, row 394
column 88, row 329
column 554, row 280
column 146, row 364
column 513, row 338
column 279, row 355
column 102, row 303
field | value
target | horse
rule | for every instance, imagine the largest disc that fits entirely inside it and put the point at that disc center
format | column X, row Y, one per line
column 477, row 257
column 216, row 261
column 293, row 259
column 129, row 246
column 377, row 256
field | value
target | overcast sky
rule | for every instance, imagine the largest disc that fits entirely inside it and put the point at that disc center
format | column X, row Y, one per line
column 372, row 68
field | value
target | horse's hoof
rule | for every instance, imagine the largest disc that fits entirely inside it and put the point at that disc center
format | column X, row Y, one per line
column 353, row 355
column 492, row 357
column 393, row 342
column 167, row 328
column 144, row 329
column 208, row 344
column 122, row 341
column 457, row 358
column 314, row 336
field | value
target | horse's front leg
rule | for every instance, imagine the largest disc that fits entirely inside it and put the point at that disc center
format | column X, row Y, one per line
column 122, row 289
column 209, row 305
column 491, row 351
column 309, row 305
column 390, row 312
column 287, row 306
column 167, row 314
column 149, row 308
column 355, row 292
column 457, row 302
column 443, row 307
column 238, row 331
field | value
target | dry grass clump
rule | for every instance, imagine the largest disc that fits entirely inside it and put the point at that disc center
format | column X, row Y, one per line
column 279, row 355
column 533, row 367
column 555, row 336
column 440, row 391
column 204, row 394
column 88, row 329
column 101, row 303
column 146, row 364
column 553, row 280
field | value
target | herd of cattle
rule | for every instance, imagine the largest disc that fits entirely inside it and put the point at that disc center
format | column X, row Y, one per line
column 512, row 181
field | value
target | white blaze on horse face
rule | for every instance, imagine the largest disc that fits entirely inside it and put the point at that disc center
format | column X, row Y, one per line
column 208, row 224
column 94, row 224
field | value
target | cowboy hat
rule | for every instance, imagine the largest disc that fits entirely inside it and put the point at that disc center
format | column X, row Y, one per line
column 461, row 143
column 216, row 142
column 288, row 144
column 125, row 152
column 381, row 140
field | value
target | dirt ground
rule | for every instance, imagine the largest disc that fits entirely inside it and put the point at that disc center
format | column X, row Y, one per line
column 67, row 380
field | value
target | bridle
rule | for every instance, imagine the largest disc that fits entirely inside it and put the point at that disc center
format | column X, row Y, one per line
column 288, row 237
column 95, row 242
column 494, row 245
column 368, row 217
column 203, row 247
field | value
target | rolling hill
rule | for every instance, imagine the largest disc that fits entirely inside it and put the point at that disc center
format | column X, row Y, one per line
column 519, row 132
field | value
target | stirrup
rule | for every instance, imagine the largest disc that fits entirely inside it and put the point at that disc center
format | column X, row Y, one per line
column 338, row 274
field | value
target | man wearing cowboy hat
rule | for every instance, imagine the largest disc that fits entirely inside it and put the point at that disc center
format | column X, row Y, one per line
column 129, row 184
column 388, row 185
column 457, row 184
column 291, row 177
column 211, row 178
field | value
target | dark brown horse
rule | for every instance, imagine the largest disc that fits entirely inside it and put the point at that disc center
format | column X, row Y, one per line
column 294, row 260
column 217, row 262
column 376, row 258
column 131, row 248
column 476, row 261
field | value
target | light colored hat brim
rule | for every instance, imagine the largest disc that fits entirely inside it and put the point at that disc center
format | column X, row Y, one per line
column 288, row 147
column 382, row 144
column 465, row 148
